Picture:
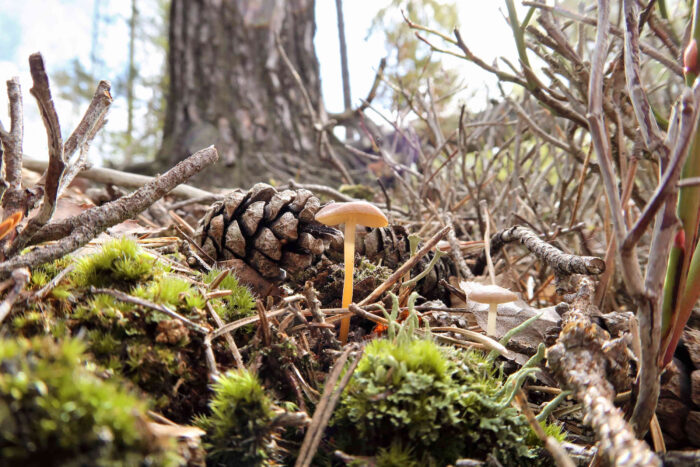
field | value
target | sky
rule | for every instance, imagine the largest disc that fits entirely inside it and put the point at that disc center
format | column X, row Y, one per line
column 62, row 31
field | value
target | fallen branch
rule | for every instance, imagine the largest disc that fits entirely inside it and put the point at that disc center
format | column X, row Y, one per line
column 562, row 263
column 76, row 231
column 585, row 360
column 128, row 180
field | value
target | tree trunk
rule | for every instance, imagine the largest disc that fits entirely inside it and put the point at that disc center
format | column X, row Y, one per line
column 230, row 87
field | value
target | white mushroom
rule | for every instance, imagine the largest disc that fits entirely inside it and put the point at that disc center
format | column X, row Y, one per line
column 492, row 295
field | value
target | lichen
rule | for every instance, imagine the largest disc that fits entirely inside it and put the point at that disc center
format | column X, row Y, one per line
column 55, row 411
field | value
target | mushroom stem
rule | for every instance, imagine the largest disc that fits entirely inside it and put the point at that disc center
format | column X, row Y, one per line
column 347, row 284
column 491, row 323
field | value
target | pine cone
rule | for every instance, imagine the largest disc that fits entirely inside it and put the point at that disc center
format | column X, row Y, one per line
column 271, row 231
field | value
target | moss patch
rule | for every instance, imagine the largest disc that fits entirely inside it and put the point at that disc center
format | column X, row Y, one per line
column 53, row 410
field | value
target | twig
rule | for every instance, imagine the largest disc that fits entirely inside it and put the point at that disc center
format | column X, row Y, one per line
column 325, row 407
column 92, row 119
column 12, row 145
column 125, row 297
column 210, row 358
column 559, row 454
column 76, row 231
column 42, row 92
column 41, row 294
column 561, row 262
column 228, row 336
column 407, row 266
column 585, row 360
column 20, row 277
column 315, row 309
column 129, row 180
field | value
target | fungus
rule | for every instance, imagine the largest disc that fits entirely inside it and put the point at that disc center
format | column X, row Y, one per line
column 492, row 295
column 351, row 214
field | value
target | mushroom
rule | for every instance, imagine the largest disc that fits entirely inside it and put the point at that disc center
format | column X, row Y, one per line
column 350, row 214
column 492, row 295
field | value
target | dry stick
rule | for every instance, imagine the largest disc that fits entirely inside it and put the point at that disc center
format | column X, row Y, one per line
column 125, row 297
column 456, row 251
column 41, row 294
column 668, row 62
column 561, row 262
column 561, row 458
column 92, row 119
column 228, row 336
column 311, row 439
column 350, row 113
column 585, row 360
column 315, row 309
column 210, row 358
column 487, row 239
column 579, row 191
column 407, row 266
column 129, row 180
column 41, row 91
column 12, row 144
column 76, row 231
column 20, row 277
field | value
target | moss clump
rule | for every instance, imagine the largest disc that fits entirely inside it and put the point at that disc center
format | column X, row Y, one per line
column 120, row 263
column 444, row 403
column 238, row 429
column 239, row 304
column 54, row 411
column 172, row 290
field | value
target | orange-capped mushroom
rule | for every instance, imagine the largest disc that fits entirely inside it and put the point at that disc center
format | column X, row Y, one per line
column 351, row 214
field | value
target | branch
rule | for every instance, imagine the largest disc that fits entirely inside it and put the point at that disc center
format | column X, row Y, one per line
column 76, row 231
column 93, row 117
column 585, row 360
column 12, row 145
column 349, row 114
column 653, row 138
column 42, row 92
column 129, row 180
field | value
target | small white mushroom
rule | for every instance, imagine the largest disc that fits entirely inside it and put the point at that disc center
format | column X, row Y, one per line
column 493, row 295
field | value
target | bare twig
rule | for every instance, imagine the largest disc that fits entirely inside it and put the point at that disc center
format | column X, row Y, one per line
column 407, row 266
column 42, row 92
column 76, row 231
column 12, row 145
column 129, row 180
column 20, row 278
column 594, row 367
column 92, row 119
column 561, row 262
column 125, row 297
column 324, row 409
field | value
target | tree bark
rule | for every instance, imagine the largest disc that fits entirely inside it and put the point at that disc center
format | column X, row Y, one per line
column 229, row 87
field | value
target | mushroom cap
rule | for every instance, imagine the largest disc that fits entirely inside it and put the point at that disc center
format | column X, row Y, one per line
column 358, row 212
column 484, row 293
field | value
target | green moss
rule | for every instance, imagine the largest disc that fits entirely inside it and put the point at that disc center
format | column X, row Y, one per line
column 171, row 290
column 119, row 263
column 54, row 411
column 396, row 455
column 239, row 304
column 238, row 429
column 443, row 402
